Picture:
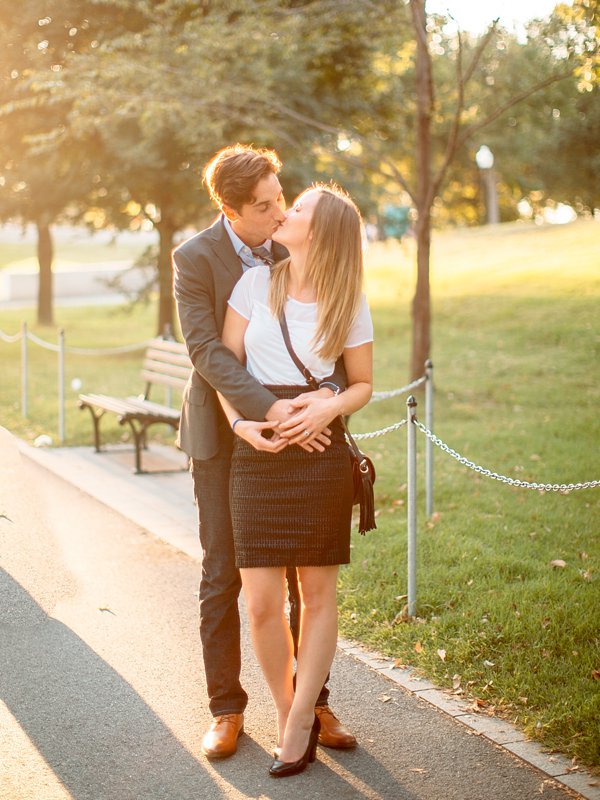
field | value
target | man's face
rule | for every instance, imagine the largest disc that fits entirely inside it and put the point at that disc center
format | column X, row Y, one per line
column 257, row 221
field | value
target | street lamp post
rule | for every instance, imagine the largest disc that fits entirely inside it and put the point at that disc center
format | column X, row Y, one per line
column 485, row 161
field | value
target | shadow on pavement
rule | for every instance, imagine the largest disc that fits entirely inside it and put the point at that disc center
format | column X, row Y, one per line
column 92, row 728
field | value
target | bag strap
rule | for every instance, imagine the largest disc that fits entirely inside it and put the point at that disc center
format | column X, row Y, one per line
column 306, row 373
column 313, row 383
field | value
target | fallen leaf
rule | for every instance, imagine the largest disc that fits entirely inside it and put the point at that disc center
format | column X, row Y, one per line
column 401, row 616
column 399, row 664
column 583, row 556
column 596, row 674
column 487, row 663
column 384, row 698
column 586, row 574
column 456, row 681
column 442, row 654
column 418, row 647
column 558, row 562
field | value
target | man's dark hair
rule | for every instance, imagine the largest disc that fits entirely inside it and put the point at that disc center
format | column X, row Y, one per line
column 232, row 174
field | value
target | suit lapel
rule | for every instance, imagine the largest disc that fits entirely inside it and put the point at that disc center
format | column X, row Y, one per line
column 279, row 252
column 223, row 249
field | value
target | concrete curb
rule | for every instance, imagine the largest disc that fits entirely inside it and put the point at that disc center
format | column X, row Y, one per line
column 502, row 733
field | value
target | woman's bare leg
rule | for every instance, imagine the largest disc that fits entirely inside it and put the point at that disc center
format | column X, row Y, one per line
column 316, row 649
column 265, row 593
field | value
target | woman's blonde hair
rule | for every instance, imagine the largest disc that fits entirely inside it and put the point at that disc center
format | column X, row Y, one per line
column 334, row 266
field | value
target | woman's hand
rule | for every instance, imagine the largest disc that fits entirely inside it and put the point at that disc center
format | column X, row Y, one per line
column 308, row 427
column 251, row 432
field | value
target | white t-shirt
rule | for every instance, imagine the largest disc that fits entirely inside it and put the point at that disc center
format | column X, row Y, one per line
column 267, row 356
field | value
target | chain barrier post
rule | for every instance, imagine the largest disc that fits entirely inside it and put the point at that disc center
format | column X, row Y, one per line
column 411, row 507
column 428, row 443
column 24, row 368
column 61, row 385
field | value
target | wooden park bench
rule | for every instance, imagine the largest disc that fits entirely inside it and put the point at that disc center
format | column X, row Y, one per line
column 165, row 362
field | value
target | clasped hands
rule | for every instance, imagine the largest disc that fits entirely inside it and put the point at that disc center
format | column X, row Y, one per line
column 303, row 421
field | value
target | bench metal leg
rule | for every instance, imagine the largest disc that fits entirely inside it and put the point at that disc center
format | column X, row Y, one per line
column 96, row 420
column 139, row 440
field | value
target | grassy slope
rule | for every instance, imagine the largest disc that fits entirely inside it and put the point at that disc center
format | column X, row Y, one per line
column 516, row 339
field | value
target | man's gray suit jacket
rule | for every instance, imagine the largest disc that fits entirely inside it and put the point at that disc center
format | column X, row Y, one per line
column 206, row 268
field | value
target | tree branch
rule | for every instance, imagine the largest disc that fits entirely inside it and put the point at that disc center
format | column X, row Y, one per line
column 453, row 137
column 360, row 163
column 479, row 51
column 471, row 129
column 397, row 175
column 462, row 78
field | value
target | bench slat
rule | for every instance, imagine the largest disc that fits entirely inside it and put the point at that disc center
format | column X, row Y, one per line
column 168, row 346
column 172, row 370
column 164, row 380
column 150, row 408
column 160, row 357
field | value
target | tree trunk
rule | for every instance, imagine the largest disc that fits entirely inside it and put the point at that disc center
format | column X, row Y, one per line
column 166, row 307
column 45, row 254
column 421, row 311
column 421, row 306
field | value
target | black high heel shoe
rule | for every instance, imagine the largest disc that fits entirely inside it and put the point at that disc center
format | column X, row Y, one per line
column 283, row 769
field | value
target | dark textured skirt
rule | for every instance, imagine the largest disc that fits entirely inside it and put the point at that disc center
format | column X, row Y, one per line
column 293, row 508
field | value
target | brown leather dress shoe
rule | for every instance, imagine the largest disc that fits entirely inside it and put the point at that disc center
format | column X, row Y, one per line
column 332, row 733
column 220, row 741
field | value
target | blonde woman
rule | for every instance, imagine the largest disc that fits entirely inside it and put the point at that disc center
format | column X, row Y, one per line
column 292, row 507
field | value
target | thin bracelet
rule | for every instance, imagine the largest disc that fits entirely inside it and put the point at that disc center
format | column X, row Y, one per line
column 334, row 388
column 235, row 422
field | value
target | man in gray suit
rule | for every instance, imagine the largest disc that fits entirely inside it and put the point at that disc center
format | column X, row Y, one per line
column 244, row 184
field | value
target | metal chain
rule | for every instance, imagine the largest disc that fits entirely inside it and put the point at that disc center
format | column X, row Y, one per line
column 381, row 432
column 544, row 487
column 42, row 343
column 10, row 339
column 107, row 351
column 377, row 396
column 88, row 351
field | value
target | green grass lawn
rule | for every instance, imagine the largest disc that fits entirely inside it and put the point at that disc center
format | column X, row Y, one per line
column 516, row 339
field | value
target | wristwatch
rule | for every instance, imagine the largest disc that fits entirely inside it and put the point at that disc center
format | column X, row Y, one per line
column 334, row 388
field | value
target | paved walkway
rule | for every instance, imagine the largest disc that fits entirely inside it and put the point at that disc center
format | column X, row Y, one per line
column 101, row 686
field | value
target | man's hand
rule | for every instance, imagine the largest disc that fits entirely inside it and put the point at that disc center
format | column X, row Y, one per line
column 251, row 432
